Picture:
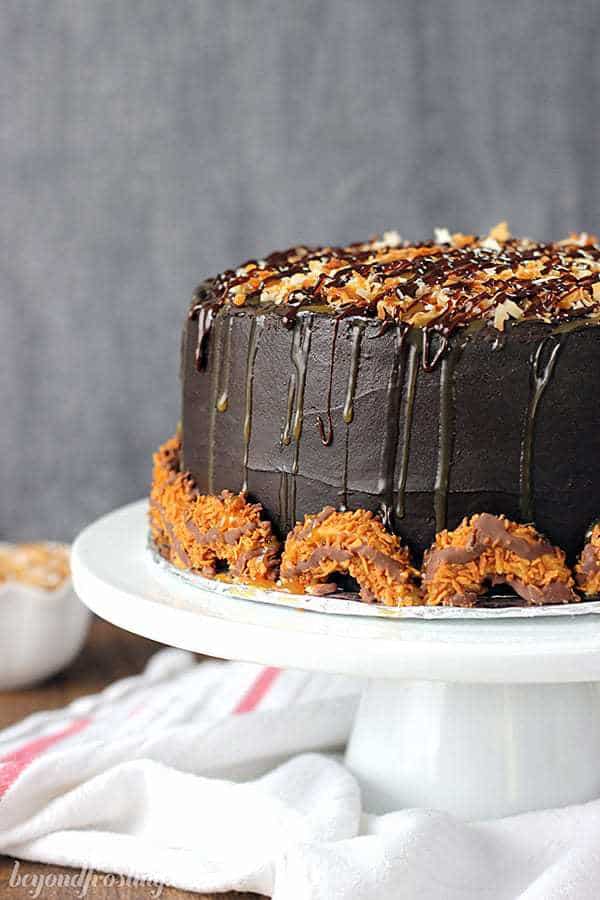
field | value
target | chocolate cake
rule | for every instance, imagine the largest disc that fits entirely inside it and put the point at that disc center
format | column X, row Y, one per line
column 421, row 383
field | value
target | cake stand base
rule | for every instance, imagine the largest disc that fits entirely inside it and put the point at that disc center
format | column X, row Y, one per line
column 481, row 718
column 476, row 750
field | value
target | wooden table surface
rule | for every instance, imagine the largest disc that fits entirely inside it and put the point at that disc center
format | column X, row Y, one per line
column 109, row 654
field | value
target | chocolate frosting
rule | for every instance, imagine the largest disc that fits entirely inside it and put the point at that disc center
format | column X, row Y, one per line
column 423, row 432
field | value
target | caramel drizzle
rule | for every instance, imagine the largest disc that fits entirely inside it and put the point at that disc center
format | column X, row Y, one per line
column 203, row 313
column 428, row 360
column 442, row 475
column 294, row 421
column 411, row 381
column 348, row 410
column 343, row 506
column 222, row 400
column 253, row 342
column 287, row 500
column 284, row 516
column 327, row 436
column 385, row 487
column 446, row 416
column 214, row 387
column 300, row 349
column 357, row 335
column 541, row 373
column 300, row 352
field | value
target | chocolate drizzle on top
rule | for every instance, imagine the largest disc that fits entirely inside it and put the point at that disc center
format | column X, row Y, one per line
column 436, row 286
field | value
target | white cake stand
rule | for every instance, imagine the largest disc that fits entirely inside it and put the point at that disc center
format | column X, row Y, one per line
column 481, row 718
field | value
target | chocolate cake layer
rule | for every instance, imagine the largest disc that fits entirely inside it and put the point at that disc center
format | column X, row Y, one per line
column 305, row 409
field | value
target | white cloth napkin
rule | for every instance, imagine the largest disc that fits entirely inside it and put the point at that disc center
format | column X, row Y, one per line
column 207, row 777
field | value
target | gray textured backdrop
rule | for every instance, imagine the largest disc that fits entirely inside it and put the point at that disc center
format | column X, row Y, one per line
column 146, row 144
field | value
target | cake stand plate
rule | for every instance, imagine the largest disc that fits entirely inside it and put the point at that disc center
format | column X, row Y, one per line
column 479, row 717
column 340, row 604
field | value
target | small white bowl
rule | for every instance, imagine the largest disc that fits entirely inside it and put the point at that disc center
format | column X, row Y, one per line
column 41, row 632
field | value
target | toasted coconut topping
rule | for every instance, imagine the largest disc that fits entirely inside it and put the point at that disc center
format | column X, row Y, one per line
column 489, row 550
column 587, row 570
column 443, row 284
column 356, row 543
column 38, row 565
column 198, row 532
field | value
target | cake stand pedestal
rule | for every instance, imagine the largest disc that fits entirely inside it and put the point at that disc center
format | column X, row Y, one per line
column 481, row 718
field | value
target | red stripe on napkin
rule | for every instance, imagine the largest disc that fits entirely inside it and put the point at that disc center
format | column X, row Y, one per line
column 15, row 762
column 257, row 690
